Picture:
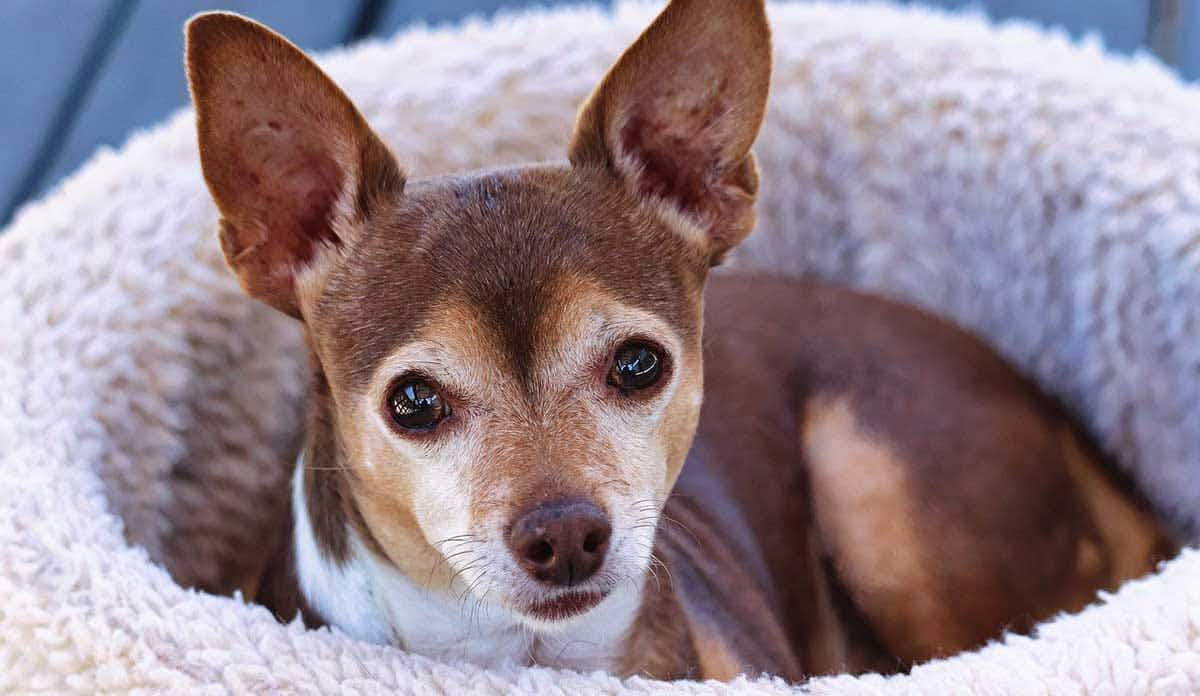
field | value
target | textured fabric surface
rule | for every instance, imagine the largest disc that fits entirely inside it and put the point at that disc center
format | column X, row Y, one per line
column 1037, row 191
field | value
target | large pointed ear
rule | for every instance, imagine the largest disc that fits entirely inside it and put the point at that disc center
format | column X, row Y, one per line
column 289, row 161
column 676, row 116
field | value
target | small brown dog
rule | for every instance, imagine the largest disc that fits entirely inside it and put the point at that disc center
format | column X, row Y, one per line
column 507, row 380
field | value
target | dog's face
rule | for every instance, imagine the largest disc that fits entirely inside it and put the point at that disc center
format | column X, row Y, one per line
column 508, row 364
column 503, row 342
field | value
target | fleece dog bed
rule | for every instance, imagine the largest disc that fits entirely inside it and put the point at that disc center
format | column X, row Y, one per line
column 1038, row 191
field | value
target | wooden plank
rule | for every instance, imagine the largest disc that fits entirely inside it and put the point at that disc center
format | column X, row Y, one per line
column 1122, row 23
column 144, row 80
column 1163, row 31
column 1188, row 47
column 37, row 68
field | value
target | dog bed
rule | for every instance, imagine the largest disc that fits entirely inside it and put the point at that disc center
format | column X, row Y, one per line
column 1037, row 190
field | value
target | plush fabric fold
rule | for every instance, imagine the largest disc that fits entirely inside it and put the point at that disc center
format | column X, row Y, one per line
column 1039, row 191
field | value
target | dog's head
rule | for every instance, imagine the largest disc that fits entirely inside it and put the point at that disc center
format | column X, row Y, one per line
column 508, row 363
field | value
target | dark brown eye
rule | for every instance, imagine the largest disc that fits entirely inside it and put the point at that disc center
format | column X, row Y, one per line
column 636, row 365
column 416, row 405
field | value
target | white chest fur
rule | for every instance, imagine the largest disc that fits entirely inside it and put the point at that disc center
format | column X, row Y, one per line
column 371, row 600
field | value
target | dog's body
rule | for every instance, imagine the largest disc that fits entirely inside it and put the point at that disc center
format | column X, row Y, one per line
column 851, row 519
column 507, row 379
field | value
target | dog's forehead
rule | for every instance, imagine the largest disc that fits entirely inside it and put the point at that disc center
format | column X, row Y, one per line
column 501, row 244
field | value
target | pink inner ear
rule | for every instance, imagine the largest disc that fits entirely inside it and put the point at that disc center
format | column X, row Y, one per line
column 290, row 184
column 679, row 148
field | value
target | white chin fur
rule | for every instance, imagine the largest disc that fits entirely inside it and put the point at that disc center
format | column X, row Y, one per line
column 339, row 593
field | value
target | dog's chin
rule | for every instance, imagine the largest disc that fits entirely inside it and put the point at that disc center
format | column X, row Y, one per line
column 562, row 607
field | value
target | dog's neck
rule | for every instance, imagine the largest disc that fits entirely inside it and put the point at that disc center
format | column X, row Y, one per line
column 370, row 599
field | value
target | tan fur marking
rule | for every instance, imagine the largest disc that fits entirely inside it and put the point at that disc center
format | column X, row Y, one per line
column 715, row 658
column 388, row 514
column 861, row 499
column 1129, row 533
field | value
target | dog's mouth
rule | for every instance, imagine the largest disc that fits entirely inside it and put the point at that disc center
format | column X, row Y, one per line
column 565, row 606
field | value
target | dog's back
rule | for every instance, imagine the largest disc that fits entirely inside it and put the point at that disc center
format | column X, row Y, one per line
column 904, row 492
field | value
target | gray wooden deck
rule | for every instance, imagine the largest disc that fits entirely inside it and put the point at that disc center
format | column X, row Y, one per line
column 79, row 74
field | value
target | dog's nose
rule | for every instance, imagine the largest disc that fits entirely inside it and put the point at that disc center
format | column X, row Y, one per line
column 561, row 542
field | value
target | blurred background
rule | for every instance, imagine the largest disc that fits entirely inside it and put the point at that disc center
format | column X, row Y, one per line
column 76, row 75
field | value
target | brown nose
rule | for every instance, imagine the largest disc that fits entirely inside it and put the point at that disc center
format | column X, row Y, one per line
column 561, row 542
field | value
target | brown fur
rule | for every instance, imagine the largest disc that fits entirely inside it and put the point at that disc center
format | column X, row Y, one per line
column 955, row 468
column 868, row 486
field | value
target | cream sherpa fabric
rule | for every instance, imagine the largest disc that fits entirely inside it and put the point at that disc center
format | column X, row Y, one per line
column 1038, row 191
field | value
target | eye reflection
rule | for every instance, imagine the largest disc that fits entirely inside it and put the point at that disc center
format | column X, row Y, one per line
column 636, row 365
column 416, row 405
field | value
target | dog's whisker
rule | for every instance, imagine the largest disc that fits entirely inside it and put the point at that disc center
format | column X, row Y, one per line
column 445, row 559
column 470, row 566
column 471, row 588
column 682, row 526
column 459, row 537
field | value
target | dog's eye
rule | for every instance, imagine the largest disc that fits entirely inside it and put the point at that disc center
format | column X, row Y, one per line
column 416, row 405
column 636, row 365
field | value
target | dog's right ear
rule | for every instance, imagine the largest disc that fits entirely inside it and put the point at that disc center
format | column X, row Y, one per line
column 677, row 114
column 292, row 165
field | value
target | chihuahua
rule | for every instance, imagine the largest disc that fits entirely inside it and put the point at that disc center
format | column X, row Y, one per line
column 508, row 457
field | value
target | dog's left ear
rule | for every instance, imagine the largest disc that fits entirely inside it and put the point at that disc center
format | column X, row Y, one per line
column 676, row 116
